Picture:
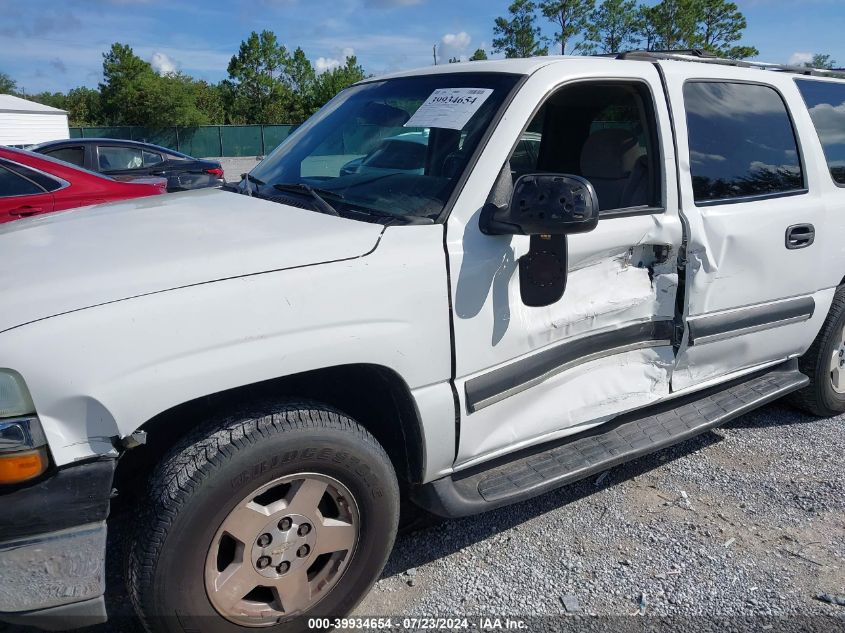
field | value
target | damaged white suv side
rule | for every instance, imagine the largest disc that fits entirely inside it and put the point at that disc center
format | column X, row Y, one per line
column 461, row 286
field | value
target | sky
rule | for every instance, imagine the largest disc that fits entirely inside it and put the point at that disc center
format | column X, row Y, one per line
column 56, row 45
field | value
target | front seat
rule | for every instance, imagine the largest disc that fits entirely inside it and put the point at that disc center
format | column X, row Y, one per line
column 613, row 161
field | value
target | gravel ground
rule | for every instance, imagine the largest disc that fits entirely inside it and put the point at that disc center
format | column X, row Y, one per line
column 743, row 522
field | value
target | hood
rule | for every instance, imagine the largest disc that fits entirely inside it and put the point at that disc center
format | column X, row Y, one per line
column 66, row 261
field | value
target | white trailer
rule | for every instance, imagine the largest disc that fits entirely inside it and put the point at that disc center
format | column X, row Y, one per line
column 25, row 122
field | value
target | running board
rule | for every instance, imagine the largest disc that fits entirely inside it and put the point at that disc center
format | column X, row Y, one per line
column 537, row 470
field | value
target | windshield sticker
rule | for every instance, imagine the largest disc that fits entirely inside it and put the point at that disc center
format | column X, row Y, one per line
column 449, row 108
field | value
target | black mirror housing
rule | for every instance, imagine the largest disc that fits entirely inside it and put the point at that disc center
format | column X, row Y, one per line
column 545, row 204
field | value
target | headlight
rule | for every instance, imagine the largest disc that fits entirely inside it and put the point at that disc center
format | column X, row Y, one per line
column 14, row 396
column 23, row 446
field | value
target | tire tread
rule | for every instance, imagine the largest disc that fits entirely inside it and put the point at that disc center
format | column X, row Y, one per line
column 209, row 446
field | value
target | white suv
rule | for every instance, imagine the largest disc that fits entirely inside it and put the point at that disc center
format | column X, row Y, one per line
column 262, row 372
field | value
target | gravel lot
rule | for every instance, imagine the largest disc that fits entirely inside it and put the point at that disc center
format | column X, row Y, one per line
column 741, row 522
column 745, row 520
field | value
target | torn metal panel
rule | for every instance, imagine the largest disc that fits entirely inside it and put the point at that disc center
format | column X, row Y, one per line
column 615, row 288
column 622, row 275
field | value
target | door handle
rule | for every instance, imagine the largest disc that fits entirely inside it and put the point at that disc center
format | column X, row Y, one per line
column 25, row 211
column 800, row 236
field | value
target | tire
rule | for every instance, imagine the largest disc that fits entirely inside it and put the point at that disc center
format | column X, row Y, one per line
column 820, row 397
column 185, row 570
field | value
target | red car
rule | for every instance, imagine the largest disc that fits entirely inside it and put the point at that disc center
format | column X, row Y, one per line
column 32, row 184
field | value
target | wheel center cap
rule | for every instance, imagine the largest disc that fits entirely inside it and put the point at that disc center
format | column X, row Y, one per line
column 286, row 543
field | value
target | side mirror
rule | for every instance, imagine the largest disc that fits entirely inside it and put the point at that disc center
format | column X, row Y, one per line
column 544, row 204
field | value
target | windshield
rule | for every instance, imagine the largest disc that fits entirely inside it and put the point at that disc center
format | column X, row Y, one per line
column 393, row 148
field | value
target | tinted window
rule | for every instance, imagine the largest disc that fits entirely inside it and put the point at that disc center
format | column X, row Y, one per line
column 13, row 185
column 826, row 102
column 39, row 178
column 525, row 156
column 151, row 158
column 73, row 155
column 112, row 158
column 741, row 141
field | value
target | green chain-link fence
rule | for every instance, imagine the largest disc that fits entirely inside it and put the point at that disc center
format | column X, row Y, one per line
column 203, row 141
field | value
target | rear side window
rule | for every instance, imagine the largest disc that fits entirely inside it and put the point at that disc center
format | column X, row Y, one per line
column 826, row 102
column 741, row 142
column 113, row 157
column 152, row 158
column 72, row 155
column 11, row 184
column 41, row 179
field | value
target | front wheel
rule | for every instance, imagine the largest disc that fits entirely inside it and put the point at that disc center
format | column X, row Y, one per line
column 264, row 520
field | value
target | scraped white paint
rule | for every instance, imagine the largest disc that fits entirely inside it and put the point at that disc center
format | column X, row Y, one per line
column 566, row 403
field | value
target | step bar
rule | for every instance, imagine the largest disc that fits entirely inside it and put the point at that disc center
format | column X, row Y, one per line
column 532, row 472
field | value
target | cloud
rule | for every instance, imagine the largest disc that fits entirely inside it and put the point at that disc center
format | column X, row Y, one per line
column 322, row 64
column 701, row 157
column 453, row 45
column 760, row 166
column 799, row 59
column 830, row 122
column 162, row 63
column 390, row 4
column 732, row 101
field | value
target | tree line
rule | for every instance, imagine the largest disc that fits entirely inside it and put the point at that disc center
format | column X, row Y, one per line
column 266, row 83
column 596, row 27
column 613, row 26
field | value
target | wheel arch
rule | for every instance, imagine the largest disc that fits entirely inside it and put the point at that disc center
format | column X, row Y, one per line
column 375, row 396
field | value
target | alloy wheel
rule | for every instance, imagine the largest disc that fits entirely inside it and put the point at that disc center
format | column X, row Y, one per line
column 282, row 549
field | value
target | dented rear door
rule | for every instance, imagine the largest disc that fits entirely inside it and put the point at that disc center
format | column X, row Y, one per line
column 524, row 375
column 756, row 287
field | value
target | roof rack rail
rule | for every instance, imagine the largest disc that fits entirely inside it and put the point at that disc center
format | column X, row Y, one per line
column 702, row 56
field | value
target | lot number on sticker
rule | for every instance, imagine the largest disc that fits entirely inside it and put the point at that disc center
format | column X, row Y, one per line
column 449, row 108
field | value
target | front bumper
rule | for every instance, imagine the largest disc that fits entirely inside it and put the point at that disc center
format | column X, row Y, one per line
column 53, row 548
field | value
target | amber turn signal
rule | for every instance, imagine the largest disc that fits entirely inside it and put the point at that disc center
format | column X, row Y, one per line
column 22, row 466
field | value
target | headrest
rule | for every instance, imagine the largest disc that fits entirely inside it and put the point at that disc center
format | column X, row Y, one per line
column 609, row 153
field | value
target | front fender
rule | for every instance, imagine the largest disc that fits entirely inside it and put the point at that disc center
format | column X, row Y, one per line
column 100, row 373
